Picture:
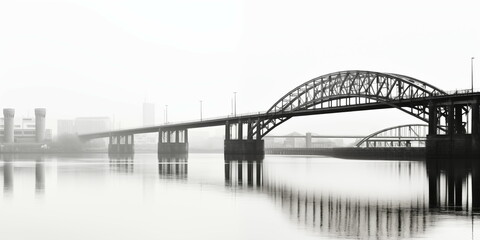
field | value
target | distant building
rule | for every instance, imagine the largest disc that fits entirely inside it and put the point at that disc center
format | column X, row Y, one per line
column 92, row 124
column 148, row 120
column 293, row 142
column 65, row 127
column 84, row 125
column 24, row 130
column 303, row 141
column 148, row 114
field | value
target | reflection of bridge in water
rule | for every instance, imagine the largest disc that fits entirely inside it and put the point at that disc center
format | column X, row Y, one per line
column 454, row 184
column 170, row 166
column 334, row 213
column 452, row 190
column 415, row 194
column 122, row 163
column 347, row 217
column 173, row 166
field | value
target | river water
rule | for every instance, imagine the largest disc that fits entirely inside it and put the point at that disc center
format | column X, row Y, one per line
column 202, row 196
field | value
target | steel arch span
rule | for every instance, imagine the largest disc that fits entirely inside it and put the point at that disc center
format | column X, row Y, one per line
column 396, row 136
column 346, row 89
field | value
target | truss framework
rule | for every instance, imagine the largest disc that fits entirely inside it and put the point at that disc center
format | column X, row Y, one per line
column 347, row 88
column 398, row 136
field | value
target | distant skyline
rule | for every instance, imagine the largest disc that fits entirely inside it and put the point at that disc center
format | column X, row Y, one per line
column 86, row 58
column 148, row 114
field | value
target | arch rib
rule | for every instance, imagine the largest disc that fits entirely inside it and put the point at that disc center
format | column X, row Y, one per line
column 410, row 127
column 339, row 89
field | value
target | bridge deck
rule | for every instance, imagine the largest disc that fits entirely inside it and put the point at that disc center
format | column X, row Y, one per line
column 439, row 100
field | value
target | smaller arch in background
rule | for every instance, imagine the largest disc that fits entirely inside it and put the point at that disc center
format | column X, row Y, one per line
column 402, row 135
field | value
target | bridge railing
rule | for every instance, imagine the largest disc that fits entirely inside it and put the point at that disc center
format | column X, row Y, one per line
column 183, row 122
column 199, row 120
column 214, row 118
column 459, row 92
column 451, row 92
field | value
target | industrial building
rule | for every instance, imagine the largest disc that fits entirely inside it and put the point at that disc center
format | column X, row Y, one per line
column 65, row 127
column 148, row 114
column 17, row 135
column 82, row 125
column 148, row 141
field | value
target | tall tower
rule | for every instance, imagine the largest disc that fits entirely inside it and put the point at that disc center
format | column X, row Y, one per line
column 148, row 114
column 8, row 125
column 40, row 124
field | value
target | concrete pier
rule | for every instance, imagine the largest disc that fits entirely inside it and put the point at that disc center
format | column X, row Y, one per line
column 447, row 135
column 173, row 141
column 235, row 144
column 122, row 144
column 248, row 147
column 452, row 146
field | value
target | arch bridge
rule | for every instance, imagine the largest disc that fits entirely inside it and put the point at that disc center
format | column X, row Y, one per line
column 447, row 114
column 399, row 136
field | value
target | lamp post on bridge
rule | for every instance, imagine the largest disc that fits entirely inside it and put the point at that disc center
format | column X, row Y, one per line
column 471, row 68
column 201, row 110
column 166, row 113
column 234, row 104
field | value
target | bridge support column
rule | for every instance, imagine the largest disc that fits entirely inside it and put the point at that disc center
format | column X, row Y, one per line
column 249, row 130
column 176, row 145
column 240, row 148
column 448, row 137
column 475, row 123
column 121, row 144
column 432, row 119
column 227, row 130
column 240, row 130
column 475, row 184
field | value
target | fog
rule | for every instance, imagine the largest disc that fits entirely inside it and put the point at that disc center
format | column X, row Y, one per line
column 82, row 58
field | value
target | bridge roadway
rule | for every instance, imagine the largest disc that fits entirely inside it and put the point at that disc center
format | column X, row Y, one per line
column 221, row 121
column 453, row 118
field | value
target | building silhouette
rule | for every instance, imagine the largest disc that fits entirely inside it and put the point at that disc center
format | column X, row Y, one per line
column 24, row 130
column 148, row 114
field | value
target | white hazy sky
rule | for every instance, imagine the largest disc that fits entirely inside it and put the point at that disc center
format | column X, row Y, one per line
column 104, row 58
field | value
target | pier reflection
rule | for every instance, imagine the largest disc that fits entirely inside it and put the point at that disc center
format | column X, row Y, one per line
column 326, row 196
column 7, row 173
column 8, row 170
column 336, row 213
column 121, row 163
column 173, row 166
column 454, row 184
column 39, row 175
column 452, row 187
column 234, row 172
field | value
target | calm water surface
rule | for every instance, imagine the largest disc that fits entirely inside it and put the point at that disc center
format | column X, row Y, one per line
column 203, row 197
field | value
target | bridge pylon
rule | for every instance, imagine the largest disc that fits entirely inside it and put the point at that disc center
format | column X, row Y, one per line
column 121, row 144
column 448, row 134
column 173, row 141
column 237, row 144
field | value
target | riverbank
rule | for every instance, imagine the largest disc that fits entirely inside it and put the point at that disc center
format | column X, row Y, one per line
column 399, row 153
